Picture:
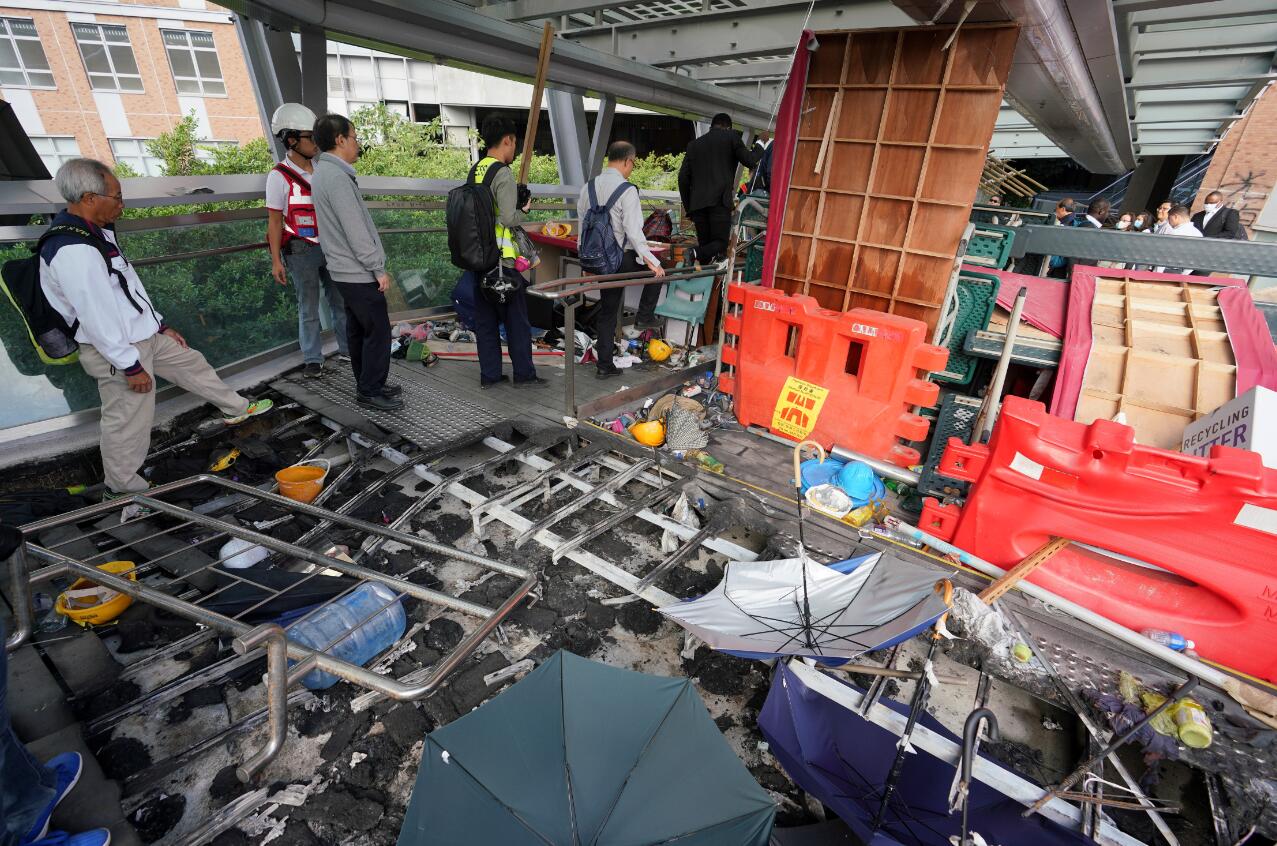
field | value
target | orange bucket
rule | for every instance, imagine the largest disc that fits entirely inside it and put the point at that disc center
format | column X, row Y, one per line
column 302, row 482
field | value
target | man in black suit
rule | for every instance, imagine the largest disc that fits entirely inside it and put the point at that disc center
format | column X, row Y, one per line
column 1216, row 220
column 705, row 183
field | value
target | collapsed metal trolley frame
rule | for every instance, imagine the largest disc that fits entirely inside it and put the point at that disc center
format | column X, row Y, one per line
column 279, row 648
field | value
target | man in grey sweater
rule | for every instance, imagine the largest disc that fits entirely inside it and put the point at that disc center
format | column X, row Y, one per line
column 356, row 261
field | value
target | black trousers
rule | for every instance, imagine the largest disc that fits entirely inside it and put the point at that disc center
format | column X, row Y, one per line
column 610, row 300
column 713, row 231
column 367, row 334
column 488, row 319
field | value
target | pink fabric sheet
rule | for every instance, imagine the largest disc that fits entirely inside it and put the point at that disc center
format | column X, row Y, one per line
column 785, row 146
column 1247, row 332
column 1046, row 305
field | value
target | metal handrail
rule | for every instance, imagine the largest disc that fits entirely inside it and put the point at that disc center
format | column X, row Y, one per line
column 278, row 677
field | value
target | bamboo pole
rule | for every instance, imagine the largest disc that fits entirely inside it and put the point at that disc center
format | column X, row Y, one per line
column 534, row 112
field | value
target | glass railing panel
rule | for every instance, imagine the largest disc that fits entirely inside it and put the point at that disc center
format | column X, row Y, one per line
column 225, row 303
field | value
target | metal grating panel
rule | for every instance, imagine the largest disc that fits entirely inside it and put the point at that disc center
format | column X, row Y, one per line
column 431, row 416
column 1225, row 754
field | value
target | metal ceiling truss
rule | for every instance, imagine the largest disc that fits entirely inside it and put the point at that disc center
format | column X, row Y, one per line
column 1191, row 68
column 759, row 28
column 456, row 35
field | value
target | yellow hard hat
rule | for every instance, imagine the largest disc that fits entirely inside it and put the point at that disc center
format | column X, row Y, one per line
column 88, row 604
column 658, row 350
column 649, row 433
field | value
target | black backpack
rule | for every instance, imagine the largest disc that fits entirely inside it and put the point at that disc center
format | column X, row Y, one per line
column 472, row 222
column 597, row 248
column 53, row 339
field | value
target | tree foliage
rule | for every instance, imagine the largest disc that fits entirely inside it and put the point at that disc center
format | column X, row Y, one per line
column 227, row 304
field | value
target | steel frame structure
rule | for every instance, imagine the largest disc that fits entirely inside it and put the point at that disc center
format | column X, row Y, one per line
column 279, row 648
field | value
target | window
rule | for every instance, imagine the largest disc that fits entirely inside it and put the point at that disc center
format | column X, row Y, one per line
column 55, row 150
column 193, row 58
column 133, row 152
column 108, row 57
column 22, row 60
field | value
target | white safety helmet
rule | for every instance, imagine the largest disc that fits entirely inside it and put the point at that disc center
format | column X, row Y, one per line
column 292, row 116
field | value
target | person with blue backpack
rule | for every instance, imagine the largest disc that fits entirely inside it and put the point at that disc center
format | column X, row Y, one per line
column 612, row 241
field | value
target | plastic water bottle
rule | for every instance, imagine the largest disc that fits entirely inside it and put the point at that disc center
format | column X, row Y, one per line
column 1171, row 640
column 336, row 629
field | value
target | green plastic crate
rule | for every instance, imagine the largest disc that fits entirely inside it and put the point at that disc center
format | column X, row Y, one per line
column 956, row 420
column 990, row 246
column 977, row 296
column 754, row 256
column 754, row 263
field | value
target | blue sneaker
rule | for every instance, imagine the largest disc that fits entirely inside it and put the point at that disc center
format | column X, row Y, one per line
column 96, row 837
column 68, row 767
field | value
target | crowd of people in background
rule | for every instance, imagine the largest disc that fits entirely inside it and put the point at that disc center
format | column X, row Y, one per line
column 1215, row 220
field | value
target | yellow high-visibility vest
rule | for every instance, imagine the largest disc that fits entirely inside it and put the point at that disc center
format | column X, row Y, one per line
column 505, row 238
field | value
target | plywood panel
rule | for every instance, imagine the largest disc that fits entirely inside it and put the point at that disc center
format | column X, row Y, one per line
column 900, row 128
column 1156, row 357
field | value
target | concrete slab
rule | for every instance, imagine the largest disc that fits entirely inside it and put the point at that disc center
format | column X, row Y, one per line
column 85, row 664
column 37, row 704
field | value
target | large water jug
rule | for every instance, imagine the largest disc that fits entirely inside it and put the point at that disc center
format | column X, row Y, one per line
column 351, row 628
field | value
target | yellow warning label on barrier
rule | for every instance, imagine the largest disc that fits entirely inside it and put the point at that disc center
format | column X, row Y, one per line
column 797, row 408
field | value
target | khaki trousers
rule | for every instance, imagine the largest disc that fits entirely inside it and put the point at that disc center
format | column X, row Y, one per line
column 127, row 415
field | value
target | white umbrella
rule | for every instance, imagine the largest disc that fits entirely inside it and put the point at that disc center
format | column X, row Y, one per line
column 798, row 607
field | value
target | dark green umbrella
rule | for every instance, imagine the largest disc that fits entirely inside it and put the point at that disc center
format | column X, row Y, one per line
column 582, row 754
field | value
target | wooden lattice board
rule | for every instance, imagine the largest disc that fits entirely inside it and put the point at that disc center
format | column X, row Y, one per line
column 891, row 145
column 1160, row 353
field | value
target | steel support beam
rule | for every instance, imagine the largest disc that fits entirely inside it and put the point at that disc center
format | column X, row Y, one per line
column 760, row 29
column 568, row 128
column 452, row 34
column 535, row 10
column 602, row 136
column 271, row 83
column 748, row 71
column 314, row 69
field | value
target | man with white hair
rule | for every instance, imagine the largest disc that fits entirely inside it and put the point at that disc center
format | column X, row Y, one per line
column 123, row 339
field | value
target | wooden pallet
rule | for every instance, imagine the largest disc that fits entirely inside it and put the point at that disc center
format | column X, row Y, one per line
column 1160, row 354
column 891, row 144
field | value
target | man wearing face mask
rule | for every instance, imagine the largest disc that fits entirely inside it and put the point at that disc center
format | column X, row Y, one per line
column 1216, row 220
column 356, row 261
column 293, row 236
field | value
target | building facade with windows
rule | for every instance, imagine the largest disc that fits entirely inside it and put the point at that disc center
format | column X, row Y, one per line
column 100, row 78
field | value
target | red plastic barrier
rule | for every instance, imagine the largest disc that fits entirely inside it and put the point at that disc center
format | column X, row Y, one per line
column 835, row 377
column 1209, row 523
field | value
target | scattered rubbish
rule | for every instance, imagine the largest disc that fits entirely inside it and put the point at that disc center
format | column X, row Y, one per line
column 828, row 499
column 354, row 628
column 237, row 554
column 48, row 620
column 1171, row 640
column 1194, row 727
column 515, row 669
